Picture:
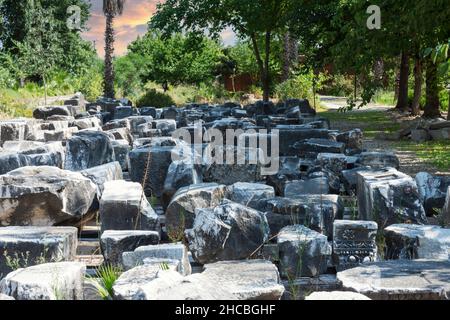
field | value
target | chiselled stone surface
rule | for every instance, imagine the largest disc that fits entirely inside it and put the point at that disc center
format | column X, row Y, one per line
column 124, row 207
column 180, row 213
column 446, row 209
column 408, row 241
column 35, row 245
column 379, row 160
column 115, row 243
column 432, row 190
column 44, row 196
column 88, row 149
column 102, row 174
column 354, row 243
column 303, row 252
column 389, row 197
column 146, row 255
column 399, row 280
column 229, row 231
column 51, row 281
column 250, row 194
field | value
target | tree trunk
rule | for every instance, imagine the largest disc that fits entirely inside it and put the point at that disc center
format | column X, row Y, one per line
column 266, row 81
column 109, row 51
column 448, row 110
column 290, row 55
column 259, row 60
column 417, row 86
column 432, row 105
column 402, row 102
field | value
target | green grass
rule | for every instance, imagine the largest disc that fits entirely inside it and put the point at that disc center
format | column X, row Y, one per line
column 436, row 153
column 371, row 122
column 384, row 98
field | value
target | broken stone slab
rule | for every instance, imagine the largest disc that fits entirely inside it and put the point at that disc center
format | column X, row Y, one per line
column 334, row 162
column 44, row 196
column 146, row 255
column 408, row 241
column 246, row 280
column 130, row 283
column 114, row 243
column 122, row 134
column 60, row 135
column 136, row 121
column 88, row 149
column 87, row 123
column 52, row 154
column 379, row 160
column 165, row 126
column 389, row 197
column 117, row 124
column 303, row 252
column 299, row 288
column 327, row 176
column 353, row 140
column 121, row 151
column 230, row 231
column 154, row 160
column 399, row 280
column 250, row 194
column 35, row 245
column 350, row 179
column 311, row 186
column 181, row 173
column 354, row 243
column 245, row 166
column 317, row 146
column 318, row 212
column 439, row 125
column 170, row 285
column 432, row 190
column 45, row 112
column 180, row 213
column 102, row 174
column 51, row 281
column 123, row 206
column 336, row 295
column 289, row 137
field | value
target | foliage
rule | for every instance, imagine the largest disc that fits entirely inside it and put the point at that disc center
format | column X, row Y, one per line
column 177, row 59
column 153, row 98
column 106, row 276
column 300, row 86
column 338, row 85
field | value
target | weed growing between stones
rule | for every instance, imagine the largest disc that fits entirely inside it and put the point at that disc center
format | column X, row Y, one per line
column 16, row 261
column 176, row 234
column 105, row 277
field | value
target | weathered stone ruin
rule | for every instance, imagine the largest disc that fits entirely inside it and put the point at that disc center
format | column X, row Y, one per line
column 214, row 202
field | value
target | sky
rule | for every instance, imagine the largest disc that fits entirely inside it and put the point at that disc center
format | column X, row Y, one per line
column 129, row 26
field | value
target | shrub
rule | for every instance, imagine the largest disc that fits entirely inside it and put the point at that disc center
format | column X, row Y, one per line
column 299, row 87
column 153, row 98
column 339, row 86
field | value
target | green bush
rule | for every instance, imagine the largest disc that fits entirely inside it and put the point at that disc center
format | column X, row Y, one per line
column 299, row 87
column 153, row 98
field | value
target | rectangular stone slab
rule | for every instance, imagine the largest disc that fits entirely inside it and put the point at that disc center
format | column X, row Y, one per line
column 27, row 246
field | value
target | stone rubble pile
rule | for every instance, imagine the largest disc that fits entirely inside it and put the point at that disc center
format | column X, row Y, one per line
column 183, row 227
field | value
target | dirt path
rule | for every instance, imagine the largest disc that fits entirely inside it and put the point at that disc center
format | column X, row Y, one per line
column 410, row 163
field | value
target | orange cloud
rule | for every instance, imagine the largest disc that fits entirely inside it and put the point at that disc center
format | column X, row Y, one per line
column 131, row 24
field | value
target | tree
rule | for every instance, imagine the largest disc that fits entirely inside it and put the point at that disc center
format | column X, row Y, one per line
column 39, row 50
column 78, row 53
column 176, row 59
column 249, row 19
column 111, row 9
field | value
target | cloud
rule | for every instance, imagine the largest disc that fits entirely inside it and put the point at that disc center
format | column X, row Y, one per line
column 131, row 24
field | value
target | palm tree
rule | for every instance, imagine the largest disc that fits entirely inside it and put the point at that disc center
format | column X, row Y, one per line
column 111, row 9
